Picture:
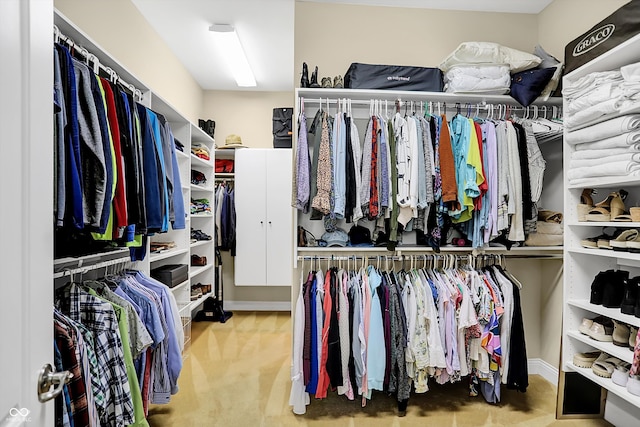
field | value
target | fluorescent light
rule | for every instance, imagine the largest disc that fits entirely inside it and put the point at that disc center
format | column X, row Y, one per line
column 228, row 41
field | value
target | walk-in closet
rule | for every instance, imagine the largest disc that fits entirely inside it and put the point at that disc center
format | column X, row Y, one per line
column 406, row 212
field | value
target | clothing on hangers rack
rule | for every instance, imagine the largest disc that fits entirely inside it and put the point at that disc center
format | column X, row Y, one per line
column 481, row 176
column 122, row 338
column 116, row 166
column 406, row 325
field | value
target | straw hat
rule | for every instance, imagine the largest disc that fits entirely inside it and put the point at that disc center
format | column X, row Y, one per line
column 233, row 141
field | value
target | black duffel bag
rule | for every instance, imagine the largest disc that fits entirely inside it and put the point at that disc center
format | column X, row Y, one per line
column 618, row 27
column 399, row 77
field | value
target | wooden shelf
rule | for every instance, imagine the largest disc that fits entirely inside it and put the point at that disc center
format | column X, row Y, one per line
column 606, row 253
column 605, row 182
column 197, row 303
column 180, row 286
column 201, row 243
column 197, row 161
column 207, row 215
column 195, row 187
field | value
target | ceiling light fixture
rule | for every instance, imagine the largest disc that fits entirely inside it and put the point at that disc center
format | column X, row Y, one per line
column 229, row 42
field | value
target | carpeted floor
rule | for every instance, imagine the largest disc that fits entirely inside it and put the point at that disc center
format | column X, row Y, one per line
column 237, row 374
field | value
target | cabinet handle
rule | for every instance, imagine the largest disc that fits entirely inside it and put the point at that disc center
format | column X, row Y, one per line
column 269, row 222
column 261, row 222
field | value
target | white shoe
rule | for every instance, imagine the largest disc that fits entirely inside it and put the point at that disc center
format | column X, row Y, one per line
column 620, row 375
column 633, row 385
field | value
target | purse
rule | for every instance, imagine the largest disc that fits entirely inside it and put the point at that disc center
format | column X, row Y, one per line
column 282, row 127
column 526, row 86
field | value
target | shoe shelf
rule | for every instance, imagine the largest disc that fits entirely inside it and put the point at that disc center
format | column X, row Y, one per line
column 180, row 286
column 197, row 161
column 199, row 270
column 604, row 224
column 606, row 383
column 195, row 304
column 612, row 313
column 168, row 254
column 623, row 258
column 622, row 353
column 200, row 243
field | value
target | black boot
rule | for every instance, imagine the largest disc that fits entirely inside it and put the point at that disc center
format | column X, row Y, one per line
column 304, row 80
column 314, row 78
column 630, row 295
column 597, row 287
column 613, row 291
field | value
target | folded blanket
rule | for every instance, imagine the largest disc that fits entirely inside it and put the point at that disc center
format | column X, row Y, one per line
column 605, row 129
column 622, row 168
column 599, row 154
column 582, row 163
column 619, row 141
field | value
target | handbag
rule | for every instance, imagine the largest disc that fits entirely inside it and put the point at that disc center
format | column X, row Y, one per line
column 282, row 127
column 526, row 86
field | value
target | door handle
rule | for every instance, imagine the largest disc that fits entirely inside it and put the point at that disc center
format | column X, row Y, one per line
column 48, row 377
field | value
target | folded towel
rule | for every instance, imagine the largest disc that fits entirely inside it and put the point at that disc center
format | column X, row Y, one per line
column 599, row 154
column 593, row 112
column 622, row 168
column 603, row 130
column 623, row 140
column 581, row 163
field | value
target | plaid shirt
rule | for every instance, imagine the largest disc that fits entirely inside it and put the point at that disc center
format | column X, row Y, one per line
column 100, row 318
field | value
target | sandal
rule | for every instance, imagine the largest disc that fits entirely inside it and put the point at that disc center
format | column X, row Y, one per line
column 585, row 205
column 620, row 375
column 585, row 360
column 620, row 242
column 604, row 365
column 609, row 208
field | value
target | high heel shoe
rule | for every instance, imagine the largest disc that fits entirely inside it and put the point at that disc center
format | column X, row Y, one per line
column 314, row 78
column 304, row 80
column 609, row 208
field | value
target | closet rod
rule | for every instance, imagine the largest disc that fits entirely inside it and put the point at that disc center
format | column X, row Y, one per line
column 90, row 57
column 420, row 257
column 391, row 103
column 85, row 269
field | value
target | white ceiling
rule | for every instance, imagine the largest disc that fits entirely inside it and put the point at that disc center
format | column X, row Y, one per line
column 266, row 31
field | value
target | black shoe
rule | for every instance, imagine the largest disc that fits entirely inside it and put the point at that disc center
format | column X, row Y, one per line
column 630, row 296
column 613, row 291
column 314, row 78
column 597, row 287
column 304, row 80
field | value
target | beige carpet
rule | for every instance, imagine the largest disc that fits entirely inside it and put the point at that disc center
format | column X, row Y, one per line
column 237, row 374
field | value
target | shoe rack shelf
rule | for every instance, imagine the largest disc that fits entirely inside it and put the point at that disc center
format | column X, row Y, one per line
column 607, row 384
column 622, row 353
column 197, row 271
column 582, row 264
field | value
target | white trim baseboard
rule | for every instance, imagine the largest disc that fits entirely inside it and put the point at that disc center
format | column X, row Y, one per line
column 257, row 305
column 544, row 369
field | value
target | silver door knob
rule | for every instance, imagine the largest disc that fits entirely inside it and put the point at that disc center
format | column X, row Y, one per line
column 47, row 378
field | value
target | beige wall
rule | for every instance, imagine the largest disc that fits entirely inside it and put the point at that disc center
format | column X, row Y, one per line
column 564, row 20
column 244, row 113
column 333, row 36
column 119, row 28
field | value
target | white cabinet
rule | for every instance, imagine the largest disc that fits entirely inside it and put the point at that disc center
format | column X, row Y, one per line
column 264, row 239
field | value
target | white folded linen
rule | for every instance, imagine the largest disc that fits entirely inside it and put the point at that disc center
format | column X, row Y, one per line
column 592, row 113
column 619, row 141
column 602, row 130
column 595, row 96
column 621, row 168
column 585, row 163
column 599, row 154
column 585, row 84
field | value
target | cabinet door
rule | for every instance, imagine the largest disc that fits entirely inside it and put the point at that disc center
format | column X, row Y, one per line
column 251, row 222
column 279, row 217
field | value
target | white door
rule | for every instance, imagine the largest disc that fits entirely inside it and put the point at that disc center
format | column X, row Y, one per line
column 26, row 203
column 251, row 222
column 279, row 217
